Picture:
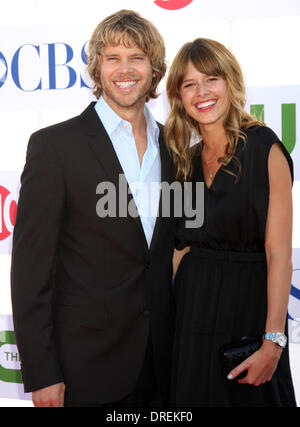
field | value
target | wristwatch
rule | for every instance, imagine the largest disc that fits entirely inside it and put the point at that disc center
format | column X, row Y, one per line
column 277, row 338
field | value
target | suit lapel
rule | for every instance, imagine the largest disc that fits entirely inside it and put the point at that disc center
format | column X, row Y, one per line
column 103, row 149
column 167, row 177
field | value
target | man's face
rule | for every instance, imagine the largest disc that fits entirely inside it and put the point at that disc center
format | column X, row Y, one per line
column 126, row 76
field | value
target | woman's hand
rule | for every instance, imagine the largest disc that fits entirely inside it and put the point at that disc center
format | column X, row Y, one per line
column 261, row 365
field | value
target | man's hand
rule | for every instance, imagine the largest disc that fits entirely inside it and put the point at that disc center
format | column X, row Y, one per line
column 49, row 397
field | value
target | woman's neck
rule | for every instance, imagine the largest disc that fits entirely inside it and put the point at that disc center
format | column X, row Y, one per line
column 213, row 137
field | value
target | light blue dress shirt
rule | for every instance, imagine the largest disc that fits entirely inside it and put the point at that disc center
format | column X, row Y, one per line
column 144, row 180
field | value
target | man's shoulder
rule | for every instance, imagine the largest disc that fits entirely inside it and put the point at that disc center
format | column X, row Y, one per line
column 65, row 128
column 61, row 128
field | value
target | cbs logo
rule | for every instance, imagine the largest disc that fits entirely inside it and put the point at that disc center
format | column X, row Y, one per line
column 3, row 69
column 54, row 59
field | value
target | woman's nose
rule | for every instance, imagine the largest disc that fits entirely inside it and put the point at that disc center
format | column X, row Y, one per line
column 202, row 89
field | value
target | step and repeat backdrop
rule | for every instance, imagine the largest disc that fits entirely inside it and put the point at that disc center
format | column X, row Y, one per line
column 43, row 80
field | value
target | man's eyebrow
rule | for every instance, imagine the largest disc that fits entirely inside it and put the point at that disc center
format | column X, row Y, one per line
column 109, row 54
column 117, row 54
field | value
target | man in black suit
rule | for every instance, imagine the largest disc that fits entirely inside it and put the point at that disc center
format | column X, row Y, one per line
column 91, row 293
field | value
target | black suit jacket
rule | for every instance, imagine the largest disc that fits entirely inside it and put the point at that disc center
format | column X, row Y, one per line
column 85, row 289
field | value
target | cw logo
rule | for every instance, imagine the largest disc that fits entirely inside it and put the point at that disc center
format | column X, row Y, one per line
column 172, row 4
column 9, row 359
column 8, row 212
column 288, row 122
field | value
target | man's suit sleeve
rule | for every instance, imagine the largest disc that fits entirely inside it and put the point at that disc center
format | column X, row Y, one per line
column 36, row 234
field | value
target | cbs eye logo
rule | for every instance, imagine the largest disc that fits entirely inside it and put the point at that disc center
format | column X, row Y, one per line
column 3, row 69
column 173, row 4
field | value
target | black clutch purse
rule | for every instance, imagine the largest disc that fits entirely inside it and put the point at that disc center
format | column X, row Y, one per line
column 232, row 355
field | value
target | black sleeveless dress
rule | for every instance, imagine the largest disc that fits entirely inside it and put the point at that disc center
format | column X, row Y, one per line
column 221, row 285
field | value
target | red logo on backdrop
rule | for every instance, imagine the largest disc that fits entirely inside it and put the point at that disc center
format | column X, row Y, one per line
column 8, row 212
column 173, row 4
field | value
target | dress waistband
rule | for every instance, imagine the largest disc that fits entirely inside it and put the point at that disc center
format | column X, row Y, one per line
column 228, row 255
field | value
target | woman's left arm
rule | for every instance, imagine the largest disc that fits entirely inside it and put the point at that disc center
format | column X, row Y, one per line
column 278, row 245
column 278, row 242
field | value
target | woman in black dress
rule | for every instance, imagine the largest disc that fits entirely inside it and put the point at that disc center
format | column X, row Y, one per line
column 235, row 274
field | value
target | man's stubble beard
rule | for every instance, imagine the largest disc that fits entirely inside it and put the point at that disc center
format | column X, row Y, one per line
column 130, row 103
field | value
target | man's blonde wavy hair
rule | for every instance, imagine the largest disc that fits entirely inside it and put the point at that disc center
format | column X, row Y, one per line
column 212, row 58
column 129, row 29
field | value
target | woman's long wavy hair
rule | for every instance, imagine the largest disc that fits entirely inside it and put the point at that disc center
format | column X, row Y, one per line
column 212, row 58
column 129, row 29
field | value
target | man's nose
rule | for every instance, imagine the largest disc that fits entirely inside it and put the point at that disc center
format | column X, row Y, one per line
column 125, row 66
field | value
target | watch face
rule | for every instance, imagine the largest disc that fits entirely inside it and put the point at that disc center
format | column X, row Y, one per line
column 282, row 340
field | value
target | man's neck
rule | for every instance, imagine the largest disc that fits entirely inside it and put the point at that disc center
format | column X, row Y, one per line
column 133, row 114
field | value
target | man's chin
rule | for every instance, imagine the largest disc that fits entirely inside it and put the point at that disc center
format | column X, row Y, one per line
column 127, row 102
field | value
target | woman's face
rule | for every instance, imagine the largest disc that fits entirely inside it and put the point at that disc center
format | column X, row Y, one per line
column 205, row 98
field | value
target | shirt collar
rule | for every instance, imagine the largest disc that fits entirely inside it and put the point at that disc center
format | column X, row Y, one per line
column 107, row 115
column 111, row 120
column 152, row 126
